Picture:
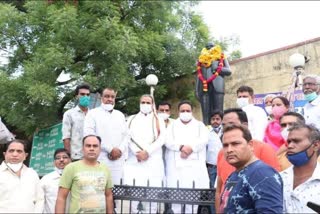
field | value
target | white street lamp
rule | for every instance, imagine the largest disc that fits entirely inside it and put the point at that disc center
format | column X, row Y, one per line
column 152, row 80
column 297, row 61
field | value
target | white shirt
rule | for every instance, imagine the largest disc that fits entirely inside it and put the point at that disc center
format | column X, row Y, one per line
column 213, row 147
column 72, row 127
column 295, row 200
column 193, row 168
column 312, row 112
column 114, row 133
column 20, row 194
column 257, row 121
column 50, row 186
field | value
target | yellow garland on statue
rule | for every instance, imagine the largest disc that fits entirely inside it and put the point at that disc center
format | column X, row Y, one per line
column 207, row 56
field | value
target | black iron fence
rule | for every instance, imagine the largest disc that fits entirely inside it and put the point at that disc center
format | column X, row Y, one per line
column 164, row 197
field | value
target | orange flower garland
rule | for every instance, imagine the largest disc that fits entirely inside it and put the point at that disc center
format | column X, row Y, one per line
column 213, row 76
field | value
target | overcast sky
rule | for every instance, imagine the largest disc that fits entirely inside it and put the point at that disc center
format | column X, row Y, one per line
column 262, row 25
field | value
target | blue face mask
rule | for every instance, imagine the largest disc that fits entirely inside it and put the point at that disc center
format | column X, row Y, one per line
column 310, row 97
column 300, row 158
column 84, row 101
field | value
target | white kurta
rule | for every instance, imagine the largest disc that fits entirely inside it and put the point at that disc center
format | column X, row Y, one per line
column 257, row 121
column 193, row 134
column 113, row 130
column 312, row 112
column 143, row 130
column 50, row 186
column 20, row 194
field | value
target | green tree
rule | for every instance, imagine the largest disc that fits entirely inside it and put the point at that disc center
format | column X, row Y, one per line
column 230, row 45
column 104, row 43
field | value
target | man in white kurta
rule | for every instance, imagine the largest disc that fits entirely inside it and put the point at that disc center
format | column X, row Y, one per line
column 144, row 162
column 257, row 117
column 20, row 190
column 110, row 125
column 186, row 153
column 311, row 90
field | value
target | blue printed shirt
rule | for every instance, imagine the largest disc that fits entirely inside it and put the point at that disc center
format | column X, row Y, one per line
column 257, row 188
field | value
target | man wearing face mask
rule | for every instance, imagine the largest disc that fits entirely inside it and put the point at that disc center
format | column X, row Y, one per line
column 110, row 125
column 186, row 153
column 19, row 185
column 311, row 88
column 144, row 163
column 287, row 120
column 302, row 180
column 164, row 112
column 257, row 118
column 50, row 182
column 72, row 123
column 215, row 122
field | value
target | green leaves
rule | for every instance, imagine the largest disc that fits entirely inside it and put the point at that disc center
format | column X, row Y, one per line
column 105, row 43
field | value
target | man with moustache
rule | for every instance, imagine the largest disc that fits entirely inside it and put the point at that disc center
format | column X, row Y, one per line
column 50, row 182
column 311, row 89
column 19, row 185
column 261, row 150
column 302, row 180
column 254, row 187
column 88, row 181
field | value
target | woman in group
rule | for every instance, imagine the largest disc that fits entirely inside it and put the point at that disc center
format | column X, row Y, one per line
column 280, row 105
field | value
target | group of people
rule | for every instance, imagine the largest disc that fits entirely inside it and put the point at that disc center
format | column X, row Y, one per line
column 256, row 161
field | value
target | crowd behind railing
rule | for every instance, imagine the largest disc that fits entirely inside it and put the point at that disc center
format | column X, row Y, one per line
column 252, row 161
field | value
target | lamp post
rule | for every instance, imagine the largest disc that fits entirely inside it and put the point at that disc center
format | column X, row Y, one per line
column 152, row 81
column 297, row 61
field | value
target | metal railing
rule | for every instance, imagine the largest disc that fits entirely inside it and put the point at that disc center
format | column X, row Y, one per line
column 164, row 197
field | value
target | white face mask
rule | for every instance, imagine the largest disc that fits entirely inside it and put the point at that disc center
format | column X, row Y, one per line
column 58, row 170
column 145, row 108
column 285, row 133
column 217, row 129
column 107, row 107
column 164, row 116
column 242, row 102
column 268, row 109
column 15, row 166
column 185, row 116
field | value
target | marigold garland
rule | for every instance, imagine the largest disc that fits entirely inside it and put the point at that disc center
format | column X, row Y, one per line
column 208, row 56
column 213, row 76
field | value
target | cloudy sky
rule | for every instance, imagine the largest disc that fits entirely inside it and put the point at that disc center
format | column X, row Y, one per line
column 262, row 25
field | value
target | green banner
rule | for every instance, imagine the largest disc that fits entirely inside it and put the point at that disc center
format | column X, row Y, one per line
column 45, row 142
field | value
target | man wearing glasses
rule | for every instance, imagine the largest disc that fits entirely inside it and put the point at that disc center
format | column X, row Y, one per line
column 50, row 182
column 311, row 88
column 73, row 120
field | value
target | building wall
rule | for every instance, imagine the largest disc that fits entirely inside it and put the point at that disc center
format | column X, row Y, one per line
column 265, row 72
column 270, row 71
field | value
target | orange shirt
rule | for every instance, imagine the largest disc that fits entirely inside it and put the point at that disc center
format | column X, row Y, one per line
column 262, row 151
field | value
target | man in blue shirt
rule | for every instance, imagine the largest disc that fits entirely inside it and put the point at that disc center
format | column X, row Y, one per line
column 254, row 187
